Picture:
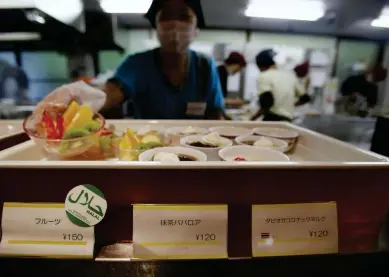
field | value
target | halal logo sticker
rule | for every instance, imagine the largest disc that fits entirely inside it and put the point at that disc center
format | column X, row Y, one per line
column 85, row 205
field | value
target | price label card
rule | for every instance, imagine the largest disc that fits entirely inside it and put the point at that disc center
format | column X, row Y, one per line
column 180, row 231
column 294, row 229
column 43, row 230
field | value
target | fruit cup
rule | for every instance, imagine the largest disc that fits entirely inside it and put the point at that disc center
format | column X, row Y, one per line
column 125, row 154
column 78, row 145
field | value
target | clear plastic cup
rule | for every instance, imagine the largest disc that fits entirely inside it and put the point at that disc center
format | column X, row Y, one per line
column 82, row 148
column 128, row 155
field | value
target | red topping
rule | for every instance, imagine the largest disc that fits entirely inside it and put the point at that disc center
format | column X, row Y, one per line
column 49, row 125
column 240, row 159
column 106, row 132
column 53, row 126
column 60, row 126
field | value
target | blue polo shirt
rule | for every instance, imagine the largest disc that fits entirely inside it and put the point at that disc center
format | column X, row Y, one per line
column 153, row 95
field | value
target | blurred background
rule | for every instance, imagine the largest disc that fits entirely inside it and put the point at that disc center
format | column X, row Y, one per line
column 46, row 43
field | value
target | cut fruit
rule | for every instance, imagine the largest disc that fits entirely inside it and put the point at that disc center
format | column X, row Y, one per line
column 105, row 143
column 72, row 133
column 70, row 113
column 92, row 125
column 132, row 137
column 67, row 146
column 151, row 139
column 84, row 115
column 125, row 143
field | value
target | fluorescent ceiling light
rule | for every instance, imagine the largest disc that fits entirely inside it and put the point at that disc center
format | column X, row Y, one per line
column 16, row 4
column 19, row 36
column 380, row 23
column 66, row 11
column 383, row 20
column 125, row 6
column 307, row 10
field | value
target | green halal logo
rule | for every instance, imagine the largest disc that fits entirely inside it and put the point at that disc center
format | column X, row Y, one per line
column 85, row 205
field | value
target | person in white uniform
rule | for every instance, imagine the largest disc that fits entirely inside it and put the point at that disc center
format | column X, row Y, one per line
column 279, row 91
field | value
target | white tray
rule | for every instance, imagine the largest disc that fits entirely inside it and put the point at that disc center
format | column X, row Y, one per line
column 313, row 150
column 10, row 128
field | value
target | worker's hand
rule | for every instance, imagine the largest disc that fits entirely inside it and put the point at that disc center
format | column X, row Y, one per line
column 61, row 97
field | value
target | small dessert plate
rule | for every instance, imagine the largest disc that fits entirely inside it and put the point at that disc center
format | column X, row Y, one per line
column 286, row 135
column 211, row 152
column 278, row 145
column 188, row 153
column 245, row 153
column 176, row 133
column 231, row 132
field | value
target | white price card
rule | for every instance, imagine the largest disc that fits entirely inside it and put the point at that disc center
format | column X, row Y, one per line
column 43, row 230
column 180, row 231
column 294, row 229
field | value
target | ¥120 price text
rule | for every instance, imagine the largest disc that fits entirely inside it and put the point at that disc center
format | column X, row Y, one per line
column 206, row 237
column 318, row 234
column 73, row 237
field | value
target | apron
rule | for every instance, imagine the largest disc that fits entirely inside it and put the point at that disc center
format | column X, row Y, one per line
column 198, row 110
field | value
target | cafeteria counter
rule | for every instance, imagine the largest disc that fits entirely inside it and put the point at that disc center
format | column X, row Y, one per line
column 354, row 130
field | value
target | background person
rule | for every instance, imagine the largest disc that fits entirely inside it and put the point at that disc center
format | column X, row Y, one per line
column 278, row 90
column 360, row 89
column 232, row 65
column 302, row 73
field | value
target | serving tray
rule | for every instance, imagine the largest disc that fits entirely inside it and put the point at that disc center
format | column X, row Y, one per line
column 312, row 150
column 10, row 128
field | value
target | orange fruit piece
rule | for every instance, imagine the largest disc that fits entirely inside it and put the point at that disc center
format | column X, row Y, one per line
column 70, row 113
column 83, row 115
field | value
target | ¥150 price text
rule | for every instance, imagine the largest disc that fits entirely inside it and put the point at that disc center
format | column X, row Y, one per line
column 318, row 234
column 73, row 237
column 205, row 237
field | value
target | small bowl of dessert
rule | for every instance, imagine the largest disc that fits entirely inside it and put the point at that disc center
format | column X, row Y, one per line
column 174, row 134
column 231, row 132
column 209, row 144
column 289, row 136
column 245, row 153
column 263, row 142
column 173, row 155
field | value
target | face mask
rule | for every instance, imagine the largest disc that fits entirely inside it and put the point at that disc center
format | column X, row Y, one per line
column 175, row 36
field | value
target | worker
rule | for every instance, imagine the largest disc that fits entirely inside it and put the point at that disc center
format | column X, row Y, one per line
column 360, row 89
column 231, row 66
column 169, row 82
column 302, row 73
column 278, row 90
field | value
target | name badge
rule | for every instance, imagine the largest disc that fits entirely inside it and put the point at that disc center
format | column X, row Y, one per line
column 196, row 109
column 43, row 230
column 294, row 229
column 180, row 231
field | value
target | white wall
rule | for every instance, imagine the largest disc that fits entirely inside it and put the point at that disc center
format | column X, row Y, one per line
column 294, row 45
column 293, row 40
